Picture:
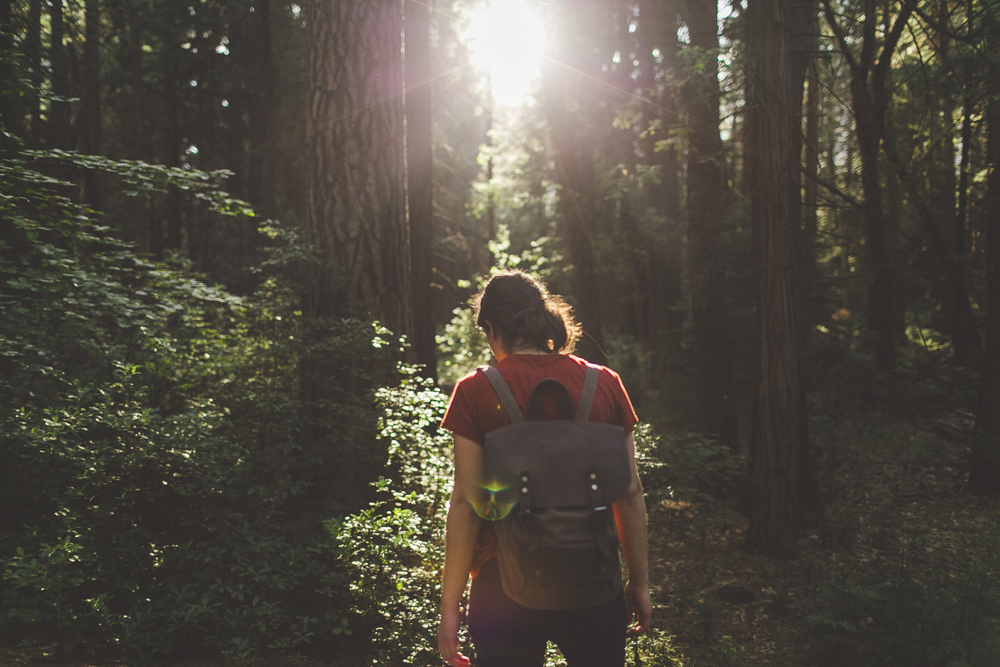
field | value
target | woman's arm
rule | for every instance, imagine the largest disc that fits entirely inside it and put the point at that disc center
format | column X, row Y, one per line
column 630, row 515
column 461, row 534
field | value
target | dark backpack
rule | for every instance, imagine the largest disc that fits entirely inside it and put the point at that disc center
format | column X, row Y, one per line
column 557, row 547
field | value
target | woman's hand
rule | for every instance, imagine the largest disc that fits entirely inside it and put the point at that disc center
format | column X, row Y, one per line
column 451, row 620
column 639, row 607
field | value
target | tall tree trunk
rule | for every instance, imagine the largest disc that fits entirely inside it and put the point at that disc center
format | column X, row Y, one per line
column 775, row 447
column 90, row 136
column 172, row 158
column 961, row 214
column 11, row 113
column 355, row 161
column 261, row 158
column 33, row 55
column 984, row 461
column 810, row 221
column 870, row 96
column 60, row 129
column 801, row 27
column 940, row 200
column 562, row 78
column 953, row 280
column 420, row 177
column 658, row 23
column 707, row 202
column 137, row 226
column 256, row 151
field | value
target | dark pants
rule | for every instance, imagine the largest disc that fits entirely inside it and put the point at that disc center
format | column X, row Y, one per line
column 505, row 634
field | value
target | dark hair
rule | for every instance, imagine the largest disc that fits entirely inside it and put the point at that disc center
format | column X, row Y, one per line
column 520, row 311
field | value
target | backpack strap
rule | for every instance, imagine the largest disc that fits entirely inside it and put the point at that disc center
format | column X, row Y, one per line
column 503, row 393
column 587, row 393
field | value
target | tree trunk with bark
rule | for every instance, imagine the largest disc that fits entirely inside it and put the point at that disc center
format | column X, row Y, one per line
column 262, row 157
column 33, row 56
column 90, row 135
column 355, row 161
column 11, row 113
column 772, row 160
column 801, row 28
column 707, row 203
column 984, row 460
column 173, row 222
column 60, row 130
column 137, row 224
column 420, row 178
column 658, row 22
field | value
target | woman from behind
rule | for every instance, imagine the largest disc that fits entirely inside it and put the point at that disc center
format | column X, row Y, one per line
column 532, row 334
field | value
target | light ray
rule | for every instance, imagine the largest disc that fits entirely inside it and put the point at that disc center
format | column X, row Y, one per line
column 507, row 40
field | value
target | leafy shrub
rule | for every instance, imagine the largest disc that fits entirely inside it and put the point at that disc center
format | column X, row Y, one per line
column 687, row 466
column 394, row 549
column 164, row 487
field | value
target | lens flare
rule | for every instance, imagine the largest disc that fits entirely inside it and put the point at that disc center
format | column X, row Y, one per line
column 494, row 504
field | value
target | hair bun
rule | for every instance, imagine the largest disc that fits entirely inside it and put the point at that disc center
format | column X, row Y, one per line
column 520, row 311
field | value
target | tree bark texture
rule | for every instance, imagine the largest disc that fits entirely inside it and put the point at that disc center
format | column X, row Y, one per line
column 136, row 226
column 984, row 461
column 11, row 114
column 60, row 130
column 707, row 204
column 33, row 55
column 262, row 157
column 420, row 177
column 809, row 314
column 775, row 448
column 90, row 136
column 801, row 27
column 174, row 223
column 355, row 160
column 563, row 77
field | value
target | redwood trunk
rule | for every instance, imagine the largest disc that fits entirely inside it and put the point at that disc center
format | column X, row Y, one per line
column 420, row 181
column 59, row 129
column 775, row 448
column 33, row 54
column 984, row 462
column 658, row 29
column 91, row 100
column 707, row 197
column 355, row 161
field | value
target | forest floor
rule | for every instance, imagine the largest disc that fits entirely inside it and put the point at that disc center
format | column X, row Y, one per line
column 715, row 603
column 886, row 486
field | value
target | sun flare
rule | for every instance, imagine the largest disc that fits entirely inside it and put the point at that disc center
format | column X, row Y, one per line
column 507, row 39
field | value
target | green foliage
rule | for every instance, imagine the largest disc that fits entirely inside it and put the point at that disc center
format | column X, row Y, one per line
column 461, row 345
column 145, row 178
column 393, row 550
column 164, row 488
column 656, row 648
column 687, row 467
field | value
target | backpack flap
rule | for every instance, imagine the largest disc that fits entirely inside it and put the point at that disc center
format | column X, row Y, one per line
column 562, row 460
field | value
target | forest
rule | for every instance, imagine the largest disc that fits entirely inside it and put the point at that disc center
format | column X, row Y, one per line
column 239, row 239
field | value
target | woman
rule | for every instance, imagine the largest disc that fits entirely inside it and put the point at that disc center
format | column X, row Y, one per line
column 531, row 334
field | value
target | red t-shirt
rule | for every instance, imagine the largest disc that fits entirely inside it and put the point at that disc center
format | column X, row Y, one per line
column 475, row 410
